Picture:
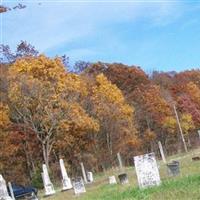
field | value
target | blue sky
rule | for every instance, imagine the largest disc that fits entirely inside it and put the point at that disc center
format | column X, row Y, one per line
column 156, row 35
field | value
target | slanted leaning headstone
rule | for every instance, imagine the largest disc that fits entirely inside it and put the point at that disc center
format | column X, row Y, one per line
column 65, row 179
column 123, row 178
column 161, row 152
column 90, row 177
column 3, row 190
column 83, row 172
column 147, row 170
column 48, row 186
column 120, row 161
column 78, row 185
column 11, row 190
column 112, row 180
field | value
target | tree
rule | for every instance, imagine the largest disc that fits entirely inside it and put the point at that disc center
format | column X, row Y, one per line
column 45, row 98
column 24, row 49
column 117, row 131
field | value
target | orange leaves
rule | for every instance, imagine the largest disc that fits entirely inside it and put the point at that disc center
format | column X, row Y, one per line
column 153, row 103
column 80, row 119
column 149, row 135
column 48, row 101
column 194, row 92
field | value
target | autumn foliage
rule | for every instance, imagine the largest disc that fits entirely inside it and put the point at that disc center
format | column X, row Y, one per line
column 48, row 112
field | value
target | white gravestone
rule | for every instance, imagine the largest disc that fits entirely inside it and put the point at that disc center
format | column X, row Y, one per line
column 78, row 185
column 161, row 151
column 199, row 133
column 11, row 190
column 112, row 180
column 65, row 179
column 90, row 177
column 83, row 172
column 49, row 189
column 147, row 170
column 120, row 161
column 3, row 190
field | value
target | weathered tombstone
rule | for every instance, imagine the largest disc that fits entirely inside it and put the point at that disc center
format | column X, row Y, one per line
column 83, row 172
column 112, row 180
column 123, row 178
column 11, row 190
column 3, row 190
column 90, row 177
column 78, row 185
column 120, row 161
column 199, row 133
column 65, row 179
column 161, row 152
column 196, row 158
column 173, row 168
column 147, row 170
column 49, row 188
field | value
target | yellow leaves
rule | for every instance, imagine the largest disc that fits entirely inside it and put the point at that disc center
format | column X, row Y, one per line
column 170, row 123
column 109, row 100
column 73, row 84
column 41, row 68
column 185, row 120
column 107, row 90
column 81, row 119
column 4, row 116
column 194, row 91
column 186, row 123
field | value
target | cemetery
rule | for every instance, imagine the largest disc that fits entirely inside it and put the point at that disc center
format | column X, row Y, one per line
column 148, row 178
column 167, row 185
column 99, row 100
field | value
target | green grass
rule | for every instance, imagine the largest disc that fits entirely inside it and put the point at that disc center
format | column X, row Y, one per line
column 185, row 186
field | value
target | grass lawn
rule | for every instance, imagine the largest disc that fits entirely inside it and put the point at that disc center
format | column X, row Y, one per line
column 185, row 186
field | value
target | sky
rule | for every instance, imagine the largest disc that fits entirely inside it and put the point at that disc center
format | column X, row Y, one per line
column 156, row 35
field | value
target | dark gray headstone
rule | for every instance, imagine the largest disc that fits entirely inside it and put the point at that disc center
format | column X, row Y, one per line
column 123, row 178
column 173, row 168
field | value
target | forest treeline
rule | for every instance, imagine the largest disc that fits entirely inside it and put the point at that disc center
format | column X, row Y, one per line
column 89, row 114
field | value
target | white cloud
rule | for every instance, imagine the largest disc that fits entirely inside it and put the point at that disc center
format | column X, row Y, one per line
column 51, row 24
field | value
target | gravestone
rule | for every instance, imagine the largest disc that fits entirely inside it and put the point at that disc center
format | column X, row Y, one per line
column 161, row 152
column 173, row 168
column 90, row 177
column 83, row 172
column 112, row 180
column 11, row 190
column 78, row 185
column 199, row 133
column 123, row 178
column 65, row 179
column 48, row 186
column 147, row 170
column 196, row 158
column 3, row 190
column 120, row 161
